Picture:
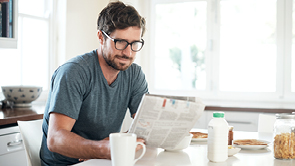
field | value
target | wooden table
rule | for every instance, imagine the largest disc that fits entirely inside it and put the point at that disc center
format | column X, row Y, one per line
column 196, row 155
column 10, row 116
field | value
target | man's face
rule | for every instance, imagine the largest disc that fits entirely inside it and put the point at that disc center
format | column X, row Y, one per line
column 121, row 59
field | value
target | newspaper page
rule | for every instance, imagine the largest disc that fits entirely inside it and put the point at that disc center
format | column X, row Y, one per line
column 164, row 121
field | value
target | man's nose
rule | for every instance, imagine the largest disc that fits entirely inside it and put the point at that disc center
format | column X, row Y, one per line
column 127, row 51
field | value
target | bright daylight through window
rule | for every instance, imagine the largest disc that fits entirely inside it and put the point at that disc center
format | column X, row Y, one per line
column 248, row 46
column 180, row 44
column 223, row 49
column 28, row 64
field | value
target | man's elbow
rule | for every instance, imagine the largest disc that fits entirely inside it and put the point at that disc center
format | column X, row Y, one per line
column 51, row 144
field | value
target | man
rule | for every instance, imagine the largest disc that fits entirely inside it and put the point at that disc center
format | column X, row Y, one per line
column 90, row 93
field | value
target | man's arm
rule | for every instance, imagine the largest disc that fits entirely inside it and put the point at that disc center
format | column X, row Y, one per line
column 61, row 140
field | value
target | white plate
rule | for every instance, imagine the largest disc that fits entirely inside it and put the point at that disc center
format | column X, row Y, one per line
column 252, row 147
column 199, row 139
column 233, row 151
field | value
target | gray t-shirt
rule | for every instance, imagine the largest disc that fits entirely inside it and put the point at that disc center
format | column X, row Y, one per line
column 80, row 91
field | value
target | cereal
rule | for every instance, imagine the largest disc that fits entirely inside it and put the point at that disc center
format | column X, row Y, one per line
column 284, row 146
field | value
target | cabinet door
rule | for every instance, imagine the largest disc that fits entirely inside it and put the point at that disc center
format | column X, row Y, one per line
column 12, row 150
column 17, row 158
column 10, row 143
column 242, row 121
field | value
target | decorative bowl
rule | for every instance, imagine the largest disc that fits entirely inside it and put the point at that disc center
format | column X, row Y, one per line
column 182, row 144
column 21, row 96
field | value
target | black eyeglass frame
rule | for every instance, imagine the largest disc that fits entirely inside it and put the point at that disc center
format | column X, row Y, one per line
column 116, row 40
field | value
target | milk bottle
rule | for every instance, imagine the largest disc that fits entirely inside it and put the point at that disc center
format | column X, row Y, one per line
column 218, row 138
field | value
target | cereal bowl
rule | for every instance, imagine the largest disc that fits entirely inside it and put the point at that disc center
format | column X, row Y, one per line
column 182, row 144
column 21, row 96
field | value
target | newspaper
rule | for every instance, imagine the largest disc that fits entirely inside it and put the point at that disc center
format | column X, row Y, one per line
column 164, row 121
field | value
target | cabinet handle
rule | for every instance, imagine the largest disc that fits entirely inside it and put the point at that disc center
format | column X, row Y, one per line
column 15, row 143
column 239, row 122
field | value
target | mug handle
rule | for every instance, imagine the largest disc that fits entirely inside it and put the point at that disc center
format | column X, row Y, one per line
column 143, row 151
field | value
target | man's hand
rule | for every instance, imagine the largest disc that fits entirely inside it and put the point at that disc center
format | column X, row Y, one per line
column 108, row 152
column 138, row 140
column 140, row 146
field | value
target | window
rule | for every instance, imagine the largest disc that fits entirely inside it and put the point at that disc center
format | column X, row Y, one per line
column 227, row 49
column 247, row 46
column 29, row 63
column 179, row 46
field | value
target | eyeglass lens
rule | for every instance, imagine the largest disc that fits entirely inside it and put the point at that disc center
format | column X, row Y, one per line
column 122, row 44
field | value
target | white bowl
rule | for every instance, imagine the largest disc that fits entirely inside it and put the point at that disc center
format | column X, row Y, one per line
column 21, row 96
column 182, row 144
column 233, row 150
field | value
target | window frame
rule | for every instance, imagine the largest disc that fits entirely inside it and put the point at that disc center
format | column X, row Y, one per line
column 50, row 6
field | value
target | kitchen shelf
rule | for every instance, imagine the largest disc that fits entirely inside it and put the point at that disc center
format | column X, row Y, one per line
column 7, row 42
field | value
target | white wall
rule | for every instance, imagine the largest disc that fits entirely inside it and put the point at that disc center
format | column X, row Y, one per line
column 79, row 27
column 143, row 57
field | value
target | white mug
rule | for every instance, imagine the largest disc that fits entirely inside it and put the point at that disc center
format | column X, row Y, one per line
column 123, row 147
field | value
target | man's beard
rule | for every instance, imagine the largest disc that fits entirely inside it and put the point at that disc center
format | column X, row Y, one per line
column 111, row 62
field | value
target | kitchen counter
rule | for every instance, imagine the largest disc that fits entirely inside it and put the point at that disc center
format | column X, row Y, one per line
column 10, row 116
column 250, row 109
column 250, row 106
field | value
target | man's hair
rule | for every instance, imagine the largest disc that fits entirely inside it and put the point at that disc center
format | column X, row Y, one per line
column 117, row 15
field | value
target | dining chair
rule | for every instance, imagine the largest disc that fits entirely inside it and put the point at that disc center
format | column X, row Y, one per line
column 31, row 132
column 266, row 122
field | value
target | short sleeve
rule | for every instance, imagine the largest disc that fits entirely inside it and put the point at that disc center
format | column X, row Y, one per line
column 68, row 87
column 139, row 88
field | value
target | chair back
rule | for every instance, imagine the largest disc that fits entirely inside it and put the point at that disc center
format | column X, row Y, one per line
column 31, row 132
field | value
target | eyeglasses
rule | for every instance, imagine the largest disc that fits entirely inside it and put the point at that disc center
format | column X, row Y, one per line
column 122, row 44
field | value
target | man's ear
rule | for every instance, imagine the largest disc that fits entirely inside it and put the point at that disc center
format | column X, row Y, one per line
column 100, row 37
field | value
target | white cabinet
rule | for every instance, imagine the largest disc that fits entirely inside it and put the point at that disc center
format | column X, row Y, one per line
column 242, row 121
column 17, row 158
column 12, row 150
column 202, row 121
